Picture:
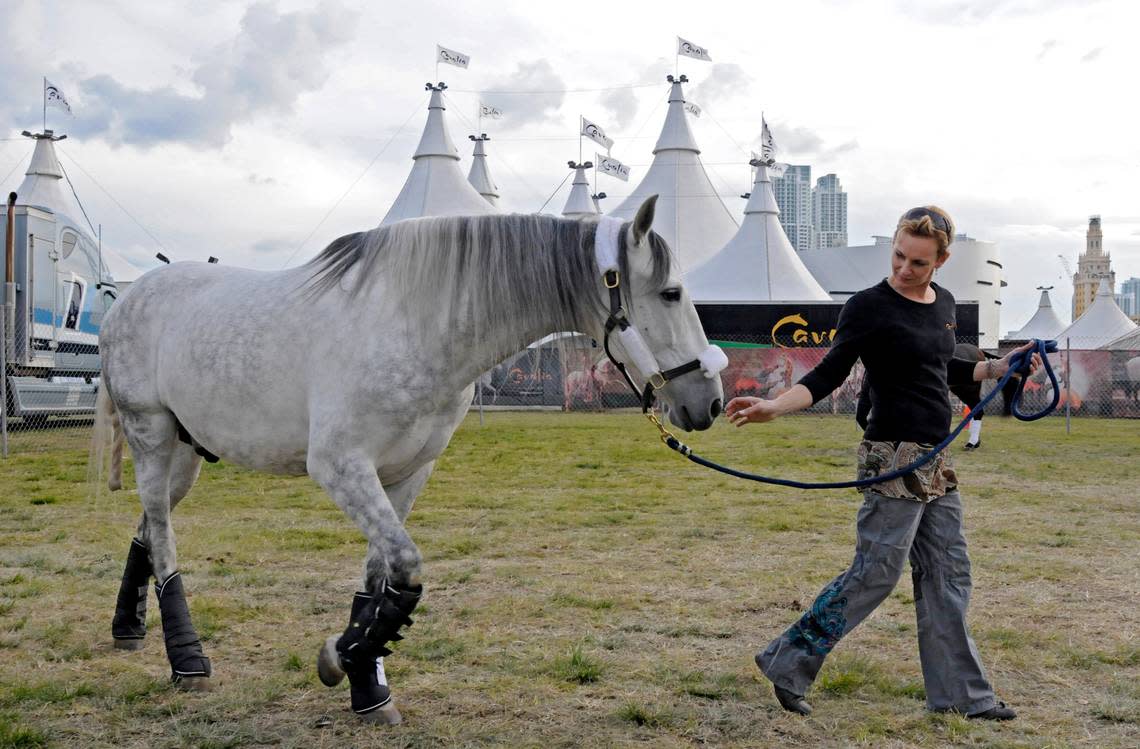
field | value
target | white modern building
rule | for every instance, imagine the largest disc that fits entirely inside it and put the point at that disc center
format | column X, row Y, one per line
column 793, row 196
column 829, row 213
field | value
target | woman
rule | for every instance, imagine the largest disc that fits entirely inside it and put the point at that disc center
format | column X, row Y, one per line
column 903, row 331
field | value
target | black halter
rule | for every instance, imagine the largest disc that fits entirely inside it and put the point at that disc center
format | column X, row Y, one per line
column 620, row 320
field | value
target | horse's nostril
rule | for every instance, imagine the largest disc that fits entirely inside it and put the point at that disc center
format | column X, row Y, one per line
column 715, row 409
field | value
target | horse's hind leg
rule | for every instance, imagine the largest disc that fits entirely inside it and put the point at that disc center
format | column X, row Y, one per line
column 128, row 628
column 392, row 581
column 153, row 442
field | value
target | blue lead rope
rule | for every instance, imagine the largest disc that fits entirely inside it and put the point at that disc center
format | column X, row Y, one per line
column 1018, row 365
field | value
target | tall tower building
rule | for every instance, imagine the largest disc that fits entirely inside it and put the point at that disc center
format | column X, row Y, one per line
column 1129, row 299
column 793, row 196
column 1093, row 265
column 829, row 212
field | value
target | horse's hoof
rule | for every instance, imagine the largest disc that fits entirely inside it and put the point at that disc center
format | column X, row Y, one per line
column 328, row 664
column 387, row 715
column 194, row 683
column 129, row 644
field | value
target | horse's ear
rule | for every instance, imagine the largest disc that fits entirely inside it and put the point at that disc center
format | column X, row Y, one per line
column 643, row 221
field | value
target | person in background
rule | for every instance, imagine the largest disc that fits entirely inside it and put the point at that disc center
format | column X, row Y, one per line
column 903, row 329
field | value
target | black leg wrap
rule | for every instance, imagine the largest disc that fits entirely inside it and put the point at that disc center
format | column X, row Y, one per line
column 130, row 607
column 374, row 623
column 183, row 648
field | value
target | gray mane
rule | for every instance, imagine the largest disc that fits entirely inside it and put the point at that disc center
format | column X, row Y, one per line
column 496, row 268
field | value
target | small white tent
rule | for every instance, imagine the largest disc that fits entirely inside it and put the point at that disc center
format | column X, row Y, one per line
column 1102, row 323
column 436, row 186
column 480, row 174
column 758, row 264
column 690, row 216
column 1044, row 324
column 579, row 203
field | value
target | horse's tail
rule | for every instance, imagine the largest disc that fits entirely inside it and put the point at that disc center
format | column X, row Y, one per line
column 108, row 431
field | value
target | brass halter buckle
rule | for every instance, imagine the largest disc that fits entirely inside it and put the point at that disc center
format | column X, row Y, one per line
column 657, row 380
column 616, row 279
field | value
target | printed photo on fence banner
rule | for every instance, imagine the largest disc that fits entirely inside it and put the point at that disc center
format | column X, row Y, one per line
column 611, row 166
column 451, row 57
column 688, row 49
column 596, row 134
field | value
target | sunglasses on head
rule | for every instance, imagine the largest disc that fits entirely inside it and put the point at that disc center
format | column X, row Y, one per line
column 940, row 222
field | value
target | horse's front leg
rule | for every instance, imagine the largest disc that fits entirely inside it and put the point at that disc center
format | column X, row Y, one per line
column 392, row 582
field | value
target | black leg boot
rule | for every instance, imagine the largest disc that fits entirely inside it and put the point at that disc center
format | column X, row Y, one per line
column 189, row 666
column 375, row 622
column 129, row 625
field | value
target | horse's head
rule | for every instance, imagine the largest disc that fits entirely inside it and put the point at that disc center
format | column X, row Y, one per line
column 653, row 326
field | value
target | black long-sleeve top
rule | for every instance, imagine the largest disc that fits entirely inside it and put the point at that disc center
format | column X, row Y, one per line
column 907, row 348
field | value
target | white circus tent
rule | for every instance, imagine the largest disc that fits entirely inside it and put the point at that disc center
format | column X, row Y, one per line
column 1102, row 323
column 690, row 216
column 436, row 185
column 480, row 174
column 579, row 203
column 1044, row 324
column 758, row 264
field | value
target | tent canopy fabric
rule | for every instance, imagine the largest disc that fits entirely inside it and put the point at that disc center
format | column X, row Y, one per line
column 436, row 186
column 579, row 203
column 1102, row 323
column 1044, row 324
column 690, row 216
column 758, row 263
column 480, row 174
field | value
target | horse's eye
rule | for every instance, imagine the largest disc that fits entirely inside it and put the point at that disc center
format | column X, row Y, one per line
column 671, row 295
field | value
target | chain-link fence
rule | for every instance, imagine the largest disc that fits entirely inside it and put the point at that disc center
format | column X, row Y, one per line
column 51, row 379
column 51, row 374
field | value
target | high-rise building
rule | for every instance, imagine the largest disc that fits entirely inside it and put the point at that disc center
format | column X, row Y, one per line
column 1093, row 265
column 793, row 196
column 829, row 213
column 1129, row 299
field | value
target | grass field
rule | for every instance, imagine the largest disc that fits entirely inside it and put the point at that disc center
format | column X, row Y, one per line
column 584, row 587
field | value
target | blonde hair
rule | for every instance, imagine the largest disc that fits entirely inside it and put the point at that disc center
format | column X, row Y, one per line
column 920, row 222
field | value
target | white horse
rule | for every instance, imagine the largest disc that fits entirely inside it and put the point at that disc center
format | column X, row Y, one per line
column 356, row 369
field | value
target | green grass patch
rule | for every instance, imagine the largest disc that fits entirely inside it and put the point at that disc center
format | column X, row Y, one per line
column 577, row 667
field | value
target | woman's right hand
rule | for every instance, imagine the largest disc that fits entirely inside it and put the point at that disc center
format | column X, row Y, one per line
column 748, row 409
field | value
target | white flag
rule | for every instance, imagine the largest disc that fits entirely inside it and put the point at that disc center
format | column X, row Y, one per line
column 688, row 49
column 767, row 144
column 54, row 97
column 692, row 109
column 596, row 134
column 613, row 167
column 486, row 110
column 777, row 169
column 451, row 57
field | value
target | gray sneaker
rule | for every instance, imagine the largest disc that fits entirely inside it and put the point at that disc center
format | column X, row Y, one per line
column 997, row 712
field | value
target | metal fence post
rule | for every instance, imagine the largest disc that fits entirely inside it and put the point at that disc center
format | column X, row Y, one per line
column 4, row 378
column 1068, row 384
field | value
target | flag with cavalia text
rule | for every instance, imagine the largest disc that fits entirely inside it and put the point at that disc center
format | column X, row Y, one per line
column 692, row 109
column 767, row 144
column 486, row 110
column 596, row 134
column 611, row 166
column 688, row 49
column 53, row 97
column 451, row 57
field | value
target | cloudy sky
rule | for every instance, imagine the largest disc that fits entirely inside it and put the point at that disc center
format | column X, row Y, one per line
column 260, row 131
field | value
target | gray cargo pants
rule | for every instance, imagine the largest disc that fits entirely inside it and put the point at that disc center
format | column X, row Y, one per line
column 889, row 530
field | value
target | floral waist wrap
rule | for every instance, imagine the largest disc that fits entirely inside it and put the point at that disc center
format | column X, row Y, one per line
column 927, row 483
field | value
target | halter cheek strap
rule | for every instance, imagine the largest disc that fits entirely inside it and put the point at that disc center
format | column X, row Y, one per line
column 711, row 361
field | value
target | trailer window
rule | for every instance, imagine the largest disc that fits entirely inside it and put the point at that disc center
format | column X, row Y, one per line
column 67, row 242
column 74, row 299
